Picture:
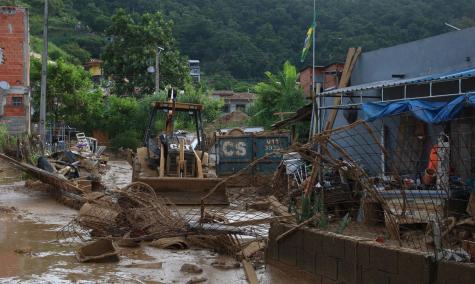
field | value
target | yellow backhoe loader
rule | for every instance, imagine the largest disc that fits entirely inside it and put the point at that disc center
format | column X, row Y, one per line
column 172, row 163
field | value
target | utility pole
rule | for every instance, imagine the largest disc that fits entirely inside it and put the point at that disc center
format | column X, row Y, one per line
column 44, row 70
column 157, row 68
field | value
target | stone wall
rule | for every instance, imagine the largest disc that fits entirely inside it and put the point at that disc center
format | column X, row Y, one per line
column 334, row 258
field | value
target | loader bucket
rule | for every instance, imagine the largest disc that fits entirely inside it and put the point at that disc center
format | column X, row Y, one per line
column 188, row 191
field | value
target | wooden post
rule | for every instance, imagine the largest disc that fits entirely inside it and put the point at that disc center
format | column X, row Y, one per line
column 351, row 58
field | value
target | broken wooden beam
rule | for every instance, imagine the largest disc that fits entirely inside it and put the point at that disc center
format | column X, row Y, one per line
column 351, row 58
column 278, row 208
column 285, row 234
column 250, row 272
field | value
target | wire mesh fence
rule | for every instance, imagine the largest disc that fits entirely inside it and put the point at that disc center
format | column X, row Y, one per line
column 397, row 180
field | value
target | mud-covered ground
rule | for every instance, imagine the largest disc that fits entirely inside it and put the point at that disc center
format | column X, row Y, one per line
column 31, row 252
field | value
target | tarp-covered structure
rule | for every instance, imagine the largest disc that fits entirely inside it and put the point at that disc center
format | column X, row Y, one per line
column 427, row 111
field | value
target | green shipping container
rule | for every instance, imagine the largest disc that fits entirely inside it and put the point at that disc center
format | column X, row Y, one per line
column 234, row 153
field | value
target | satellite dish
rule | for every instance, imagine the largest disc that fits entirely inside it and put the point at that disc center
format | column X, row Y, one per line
column 151, row 69
column 4, row 85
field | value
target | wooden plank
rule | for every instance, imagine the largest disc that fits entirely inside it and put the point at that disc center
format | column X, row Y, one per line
column 252, row 248
column 250, row 272
column 277, row 207
column 257, row 221
column 59, row 184
column 351, row 58
column 346, row 68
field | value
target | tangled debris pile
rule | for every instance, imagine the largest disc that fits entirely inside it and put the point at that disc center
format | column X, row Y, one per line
column 136, row 214
column 71, row 172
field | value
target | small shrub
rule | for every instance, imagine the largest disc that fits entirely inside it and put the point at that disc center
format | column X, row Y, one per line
column 127, row 139
column 5, row 137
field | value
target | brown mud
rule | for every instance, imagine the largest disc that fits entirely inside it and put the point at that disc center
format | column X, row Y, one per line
column 30, row 251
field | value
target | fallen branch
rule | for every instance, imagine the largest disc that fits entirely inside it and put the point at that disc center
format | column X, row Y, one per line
column 285, row 234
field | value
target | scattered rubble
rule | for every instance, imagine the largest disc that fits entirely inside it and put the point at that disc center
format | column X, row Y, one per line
column 223, row 264
column 7, row 210
column 197, row 279
column 102, row 250
column 191, row 268
column 177, row 243
column 24, row 250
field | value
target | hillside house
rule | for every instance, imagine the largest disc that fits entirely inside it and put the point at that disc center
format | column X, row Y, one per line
column 235, row 101
column 195, row 71
column 14, row 69
column 327, row 76
column 94, row 66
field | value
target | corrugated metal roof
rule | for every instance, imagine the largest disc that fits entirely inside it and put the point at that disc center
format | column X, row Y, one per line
column 446, row 76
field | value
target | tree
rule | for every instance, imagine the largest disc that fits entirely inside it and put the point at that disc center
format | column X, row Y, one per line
column 132, row 48
column 124, row 121
column 212, row 107
column 70, row 98
column 279, row 93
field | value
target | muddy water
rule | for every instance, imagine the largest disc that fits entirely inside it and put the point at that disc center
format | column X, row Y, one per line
column 119, row 175
column 32, row 229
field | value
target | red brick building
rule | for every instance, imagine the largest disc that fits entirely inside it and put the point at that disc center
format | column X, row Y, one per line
column 14, row 69
column 328, row 76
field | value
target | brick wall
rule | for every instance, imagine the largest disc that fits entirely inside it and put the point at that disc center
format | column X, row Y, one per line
column 323, row 73
column 334, row 258
column 305, row 80
column 12, row 41
column 14, row 67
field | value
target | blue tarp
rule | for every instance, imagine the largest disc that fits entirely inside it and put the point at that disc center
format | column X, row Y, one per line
column 430, row 112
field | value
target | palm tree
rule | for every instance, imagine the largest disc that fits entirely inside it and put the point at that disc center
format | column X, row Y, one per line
column 279, row 93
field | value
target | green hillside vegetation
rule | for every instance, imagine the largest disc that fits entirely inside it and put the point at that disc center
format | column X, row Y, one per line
column 238, row 42
column 243, row 39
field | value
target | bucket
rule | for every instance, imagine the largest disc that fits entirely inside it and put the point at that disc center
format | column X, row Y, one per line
column 429, row 177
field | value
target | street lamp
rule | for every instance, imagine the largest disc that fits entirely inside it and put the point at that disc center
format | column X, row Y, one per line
column 157, row 68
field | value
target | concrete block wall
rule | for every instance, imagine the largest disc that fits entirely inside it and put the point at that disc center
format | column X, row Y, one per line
column 334, row 258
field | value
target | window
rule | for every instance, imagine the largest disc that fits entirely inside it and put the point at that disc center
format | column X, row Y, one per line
column 241, row 108
column 17, row 101
column 226, row 108
column 2, row 58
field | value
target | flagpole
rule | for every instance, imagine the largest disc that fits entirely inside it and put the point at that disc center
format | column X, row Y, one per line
column 316, row 118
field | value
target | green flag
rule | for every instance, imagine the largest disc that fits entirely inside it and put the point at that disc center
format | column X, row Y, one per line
column 308, row 42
